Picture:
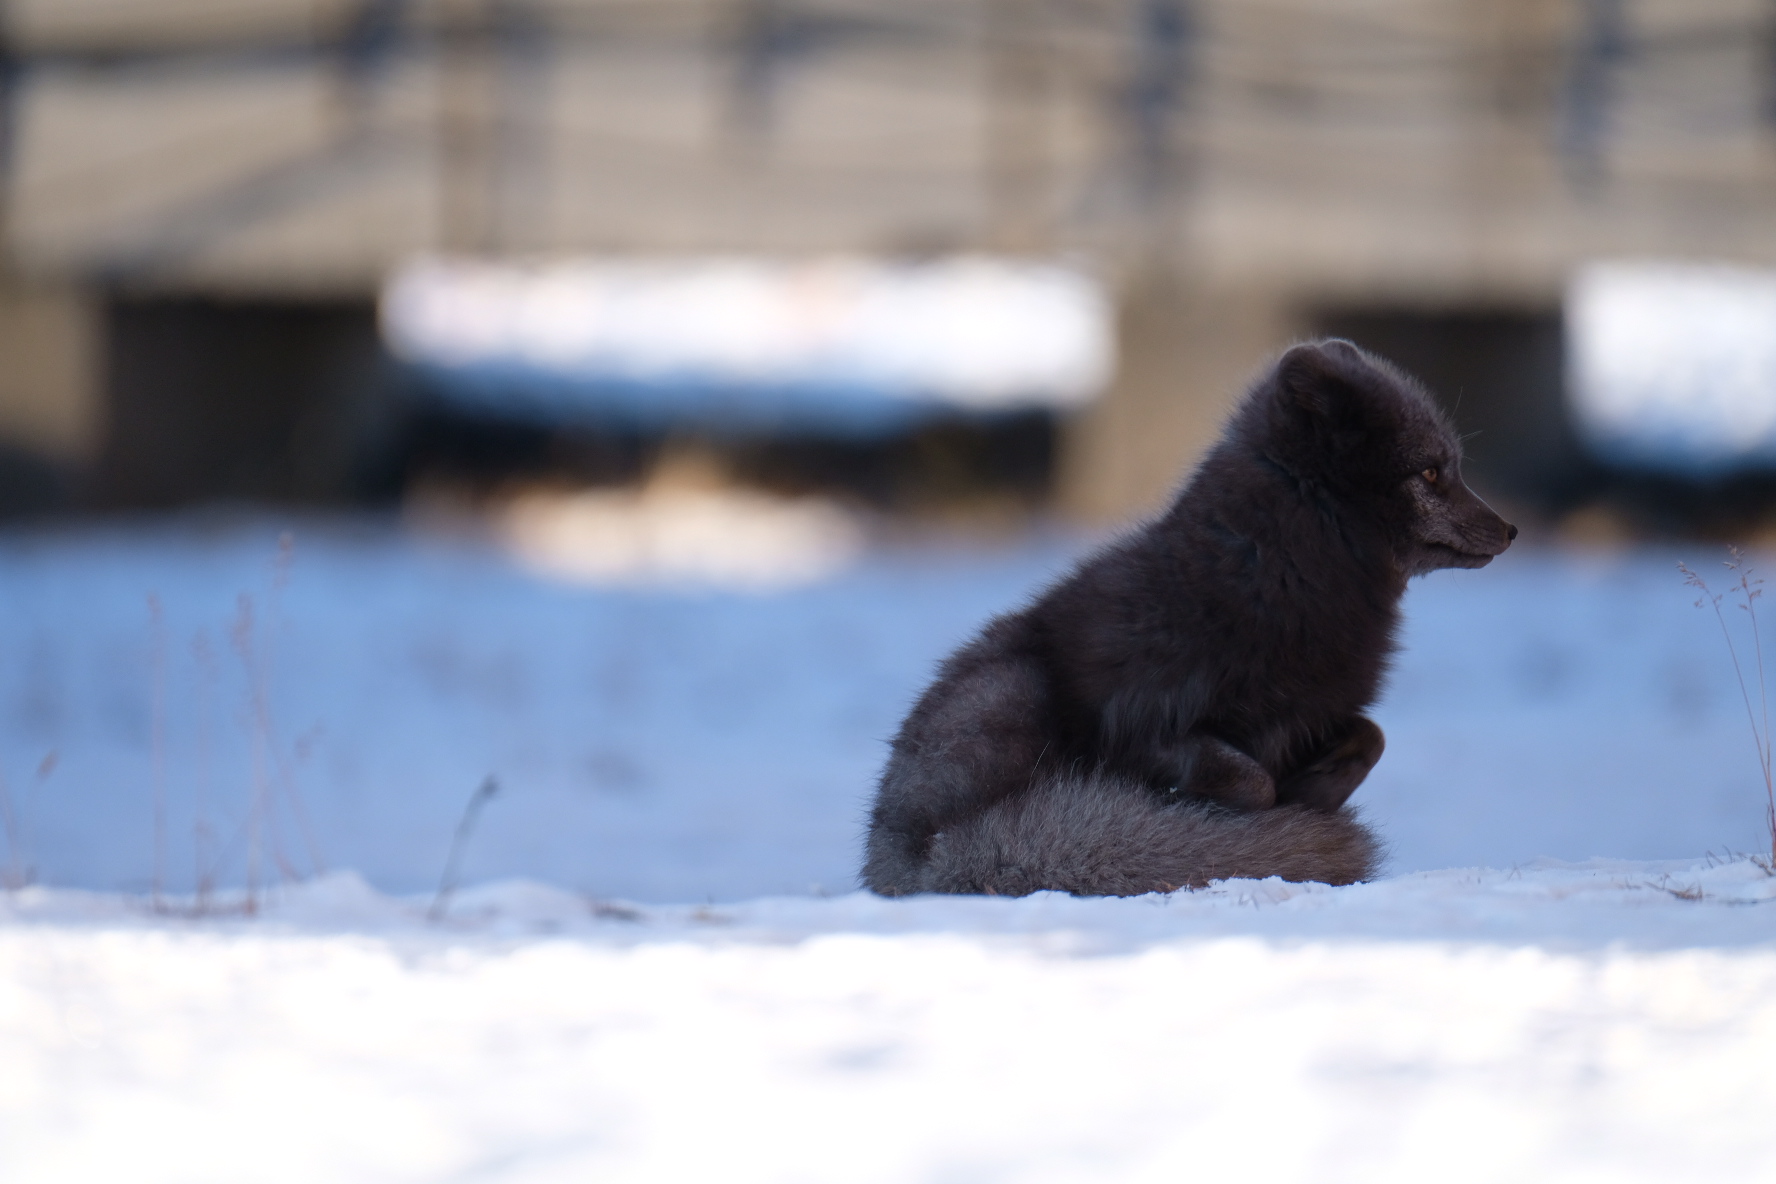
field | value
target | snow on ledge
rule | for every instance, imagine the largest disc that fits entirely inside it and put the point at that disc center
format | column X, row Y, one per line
column 1672, row 366
column 839, row 343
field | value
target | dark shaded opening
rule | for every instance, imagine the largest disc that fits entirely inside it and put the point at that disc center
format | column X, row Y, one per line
column 33, row 485
column 259, row 400
column 296, row 402
column 942, row 464
column 1500, row 374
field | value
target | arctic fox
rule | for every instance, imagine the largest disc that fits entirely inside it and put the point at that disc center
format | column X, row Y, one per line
column 1188, row 704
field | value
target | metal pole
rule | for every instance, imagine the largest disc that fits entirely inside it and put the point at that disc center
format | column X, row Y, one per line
column 466, row 113
column 1016, row 150
column 1602, row 48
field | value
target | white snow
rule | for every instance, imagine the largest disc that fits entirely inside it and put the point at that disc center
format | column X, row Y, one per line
column 1554, row 1023
column 670, row 992
column 1673, row 365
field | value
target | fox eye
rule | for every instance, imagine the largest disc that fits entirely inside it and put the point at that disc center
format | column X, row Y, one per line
column 1430, row 474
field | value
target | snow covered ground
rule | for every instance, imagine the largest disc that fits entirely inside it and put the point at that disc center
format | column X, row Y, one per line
column 682, row 984
column 1599, row 1023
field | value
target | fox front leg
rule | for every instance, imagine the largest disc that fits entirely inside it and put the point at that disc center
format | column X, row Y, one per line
column 1328, row 778
column 1210, row 769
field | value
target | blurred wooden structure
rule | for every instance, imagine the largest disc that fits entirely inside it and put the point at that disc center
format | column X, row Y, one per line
column 1243, row 170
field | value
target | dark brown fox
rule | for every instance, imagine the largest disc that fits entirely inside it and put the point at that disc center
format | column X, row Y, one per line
column 1188, row 704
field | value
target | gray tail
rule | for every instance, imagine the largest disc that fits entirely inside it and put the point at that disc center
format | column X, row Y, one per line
column 1094, row 835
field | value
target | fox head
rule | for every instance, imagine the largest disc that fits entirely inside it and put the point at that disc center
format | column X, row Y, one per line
column 1371, row 440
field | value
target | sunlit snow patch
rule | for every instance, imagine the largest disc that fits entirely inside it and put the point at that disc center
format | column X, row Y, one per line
column 1673, row 366
column 838, row 344
column 721, row 538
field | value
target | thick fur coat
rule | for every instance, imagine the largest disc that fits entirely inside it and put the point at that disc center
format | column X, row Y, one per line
column 1188, row 704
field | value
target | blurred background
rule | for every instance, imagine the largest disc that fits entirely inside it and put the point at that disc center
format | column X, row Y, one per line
column 205, row 202
column 738, row 296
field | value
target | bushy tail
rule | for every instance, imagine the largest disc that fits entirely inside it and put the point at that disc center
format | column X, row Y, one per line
column 1098, row 836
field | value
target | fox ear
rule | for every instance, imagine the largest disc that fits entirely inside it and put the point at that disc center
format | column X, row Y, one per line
column 1315, row 377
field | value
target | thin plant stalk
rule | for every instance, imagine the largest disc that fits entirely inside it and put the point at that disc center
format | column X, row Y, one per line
column 243, row 642
column 458, row 843
column 157, row 624
column 15, row 876
column 283, row 776
column 202, row 837
column 1750, row 590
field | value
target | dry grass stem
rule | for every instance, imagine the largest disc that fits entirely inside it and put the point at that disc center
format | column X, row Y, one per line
column 251, row 635
column 14, row 877
column 204, row 852
column 157, row 635
column 242, row 636
column 459, row 842
column 1746, row 589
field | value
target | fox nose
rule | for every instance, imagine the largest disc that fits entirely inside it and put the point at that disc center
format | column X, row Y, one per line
column 1510, row 531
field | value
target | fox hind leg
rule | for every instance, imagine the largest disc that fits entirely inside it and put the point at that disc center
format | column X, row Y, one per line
column 1329, row 778
column 1210, row 769
column 975, row 738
